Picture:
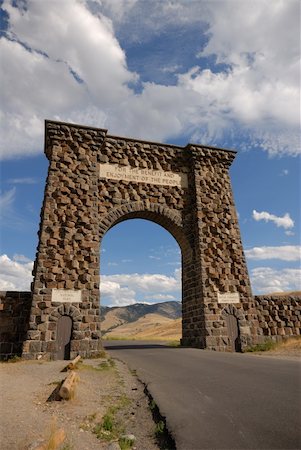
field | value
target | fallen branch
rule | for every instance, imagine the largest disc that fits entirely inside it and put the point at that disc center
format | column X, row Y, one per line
column 67, row 389
column 72, row 364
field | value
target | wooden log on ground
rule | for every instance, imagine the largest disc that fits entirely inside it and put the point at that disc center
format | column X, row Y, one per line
column 72, row 364
column 67, row 388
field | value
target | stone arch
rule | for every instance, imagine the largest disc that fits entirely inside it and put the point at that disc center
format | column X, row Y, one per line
column 169, row 219
column 231, row 309
column 65, row 310
column 97, row 180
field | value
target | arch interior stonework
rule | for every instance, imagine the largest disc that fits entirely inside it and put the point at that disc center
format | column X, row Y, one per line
column 96, row 180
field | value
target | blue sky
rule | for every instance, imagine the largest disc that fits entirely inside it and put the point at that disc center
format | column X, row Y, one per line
column 217, row 73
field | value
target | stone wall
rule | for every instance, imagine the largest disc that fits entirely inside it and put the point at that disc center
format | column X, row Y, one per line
column 279, row 316
column 14, row 321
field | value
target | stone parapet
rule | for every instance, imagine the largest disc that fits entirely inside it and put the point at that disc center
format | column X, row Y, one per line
column 279, row 317
column 14, row 321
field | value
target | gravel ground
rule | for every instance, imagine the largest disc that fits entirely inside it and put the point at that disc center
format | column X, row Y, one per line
column 28, row 415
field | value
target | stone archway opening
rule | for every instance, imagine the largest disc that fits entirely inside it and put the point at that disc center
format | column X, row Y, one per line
column 141, row 264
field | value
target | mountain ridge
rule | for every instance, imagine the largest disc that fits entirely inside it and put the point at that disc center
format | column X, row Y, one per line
column 116, row 316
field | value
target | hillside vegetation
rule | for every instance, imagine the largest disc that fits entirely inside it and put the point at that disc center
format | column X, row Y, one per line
column 141, row 321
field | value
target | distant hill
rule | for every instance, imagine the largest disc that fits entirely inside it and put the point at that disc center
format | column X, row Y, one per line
column 142, row 321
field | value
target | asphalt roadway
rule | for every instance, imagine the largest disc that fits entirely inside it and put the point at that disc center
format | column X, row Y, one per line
column 217, row 400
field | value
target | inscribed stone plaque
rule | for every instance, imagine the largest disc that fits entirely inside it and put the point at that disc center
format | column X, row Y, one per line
column 126, row 173
column 228, row 297
column 66, row 296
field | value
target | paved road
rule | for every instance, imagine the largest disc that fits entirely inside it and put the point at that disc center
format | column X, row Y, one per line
column 220, row 400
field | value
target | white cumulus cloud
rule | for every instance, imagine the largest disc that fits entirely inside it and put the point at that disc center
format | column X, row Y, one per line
column 115, row 293
column 284, row 253
column 160, row 297
column 75, row 69
column 286, row 221
column 257, row 93
column 15, row 275
column 267, row 280
column 146, row 282
column 125, row 289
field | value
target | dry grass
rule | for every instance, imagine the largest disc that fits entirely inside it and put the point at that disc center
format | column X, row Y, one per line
column 282, row 294
column 293, row 343
column 55, row 439
column 290, row 347
column 149, row 327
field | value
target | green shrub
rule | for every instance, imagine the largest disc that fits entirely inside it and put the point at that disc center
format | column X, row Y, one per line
column 265, row 346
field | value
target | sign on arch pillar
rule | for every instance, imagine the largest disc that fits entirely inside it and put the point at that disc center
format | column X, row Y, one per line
column 96, row 180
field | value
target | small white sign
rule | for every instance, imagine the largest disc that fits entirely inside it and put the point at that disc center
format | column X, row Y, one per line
column 228, row 297
column 66, row 296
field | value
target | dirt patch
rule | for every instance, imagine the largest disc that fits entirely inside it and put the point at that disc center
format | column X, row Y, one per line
column 106, row 387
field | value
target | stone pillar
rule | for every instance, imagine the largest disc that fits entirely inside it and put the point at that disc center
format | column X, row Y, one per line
column 68, row 254
column 193, row 318
column 221, row 266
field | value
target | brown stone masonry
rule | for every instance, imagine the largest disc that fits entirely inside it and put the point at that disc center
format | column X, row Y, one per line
column 279, row 318
column 14, row 321
column 95, row 181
